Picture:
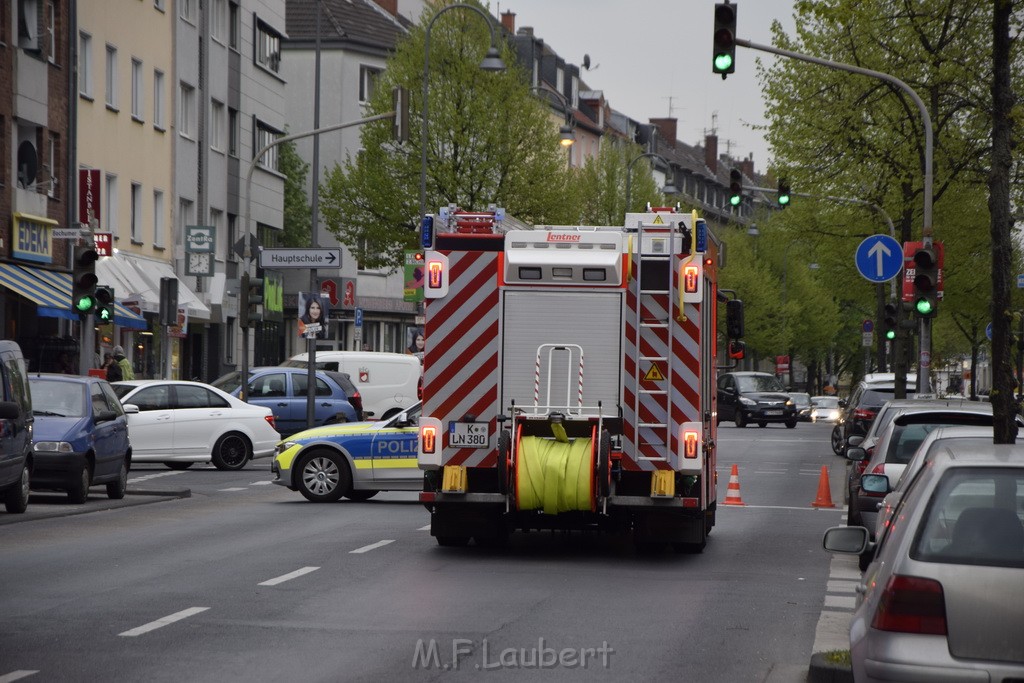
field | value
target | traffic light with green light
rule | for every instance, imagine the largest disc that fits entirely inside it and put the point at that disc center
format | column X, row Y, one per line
column 926, row 282
column 783, row 197
column 724, row 54
column 104, row 305
column 735, row 187
column 83, row 280
column 890, row 321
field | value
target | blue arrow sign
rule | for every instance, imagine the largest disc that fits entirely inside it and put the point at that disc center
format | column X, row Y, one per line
column 879, row 258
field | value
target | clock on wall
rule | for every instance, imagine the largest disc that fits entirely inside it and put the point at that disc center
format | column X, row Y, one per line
column 199, row 264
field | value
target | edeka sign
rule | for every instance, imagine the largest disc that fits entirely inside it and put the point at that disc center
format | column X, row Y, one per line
column 32, row 239
column 273, row 296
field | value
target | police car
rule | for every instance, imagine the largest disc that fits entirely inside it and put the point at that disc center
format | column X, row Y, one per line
column 354, row 460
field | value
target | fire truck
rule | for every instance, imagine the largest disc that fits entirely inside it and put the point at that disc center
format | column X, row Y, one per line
column 569, row 377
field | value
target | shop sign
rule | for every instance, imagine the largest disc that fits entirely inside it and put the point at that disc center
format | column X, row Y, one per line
column 32, row 239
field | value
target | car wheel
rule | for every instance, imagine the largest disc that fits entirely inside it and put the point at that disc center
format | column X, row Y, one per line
column 79, row 491
column 16, row 500
column 741, row 419
column 323, row 477
column 175, row 465
column 762, row 425
column 837, row 440
column 117, row 488
column 790, row 424
column 231, row 452
column 361, row 495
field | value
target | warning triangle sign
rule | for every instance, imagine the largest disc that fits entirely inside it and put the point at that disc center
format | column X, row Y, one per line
column 658, row 221
column 654, row 374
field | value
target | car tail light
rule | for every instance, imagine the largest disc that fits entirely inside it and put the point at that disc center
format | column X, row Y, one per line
column 864, row 414
column 861, row 466
column 419, row 390
column 357, row 402
column 270, row 421
column 911, row 604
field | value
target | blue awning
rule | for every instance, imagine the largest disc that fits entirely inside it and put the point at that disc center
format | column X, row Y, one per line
column 51, row 292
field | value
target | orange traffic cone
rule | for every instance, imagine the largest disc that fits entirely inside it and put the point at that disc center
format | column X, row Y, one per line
column 732, row 494
column 824, row 499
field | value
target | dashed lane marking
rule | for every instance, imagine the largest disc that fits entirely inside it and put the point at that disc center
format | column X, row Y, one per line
column 234, row 488
column 17, row 675
column 372, row 546
column 156, row 475
column 841, row 601
column 165, row 621
column 261, row 483
column 424, row 528
column 289, row 576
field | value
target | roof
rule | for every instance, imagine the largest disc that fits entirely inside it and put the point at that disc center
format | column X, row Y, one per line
column 360, row 22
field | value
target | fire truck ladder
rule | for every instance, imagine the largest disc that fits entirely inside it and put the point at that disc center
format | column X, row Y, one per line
column 642, row 323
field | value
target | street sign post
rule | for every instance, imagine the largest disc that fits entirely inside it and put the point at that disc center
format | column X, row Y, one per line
column 879, row 258
column 300, row 258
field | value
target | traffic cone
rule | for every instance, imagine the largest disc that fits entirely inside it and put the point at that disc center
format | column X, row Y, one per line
column 732, row 494
column 824, row 499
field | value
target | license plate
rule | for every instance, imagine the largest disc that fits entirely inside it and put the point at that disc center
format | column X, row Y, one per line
column 467, row 434
column 773, row 412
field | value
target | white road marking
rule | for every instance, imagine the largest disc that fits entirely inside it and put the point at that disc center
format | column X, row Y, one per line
column 840, row 601
column 778, row 507
column 842, row 586
column 424, row 528
column 155, row 475
column 372, row 546
column 288, row 577
column 160, row 623
column 261, row 483
column 17, row 675
column 234, row 488
column 770, row 472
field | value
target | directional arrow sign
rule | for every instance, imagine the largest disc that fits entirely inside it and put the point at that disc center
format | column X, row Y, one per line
column 300, row 258
column 879, row 258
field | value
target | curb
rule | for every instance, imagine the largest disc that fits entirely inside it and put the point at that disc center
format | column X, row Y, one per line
column 824, row 671
column 173, row 493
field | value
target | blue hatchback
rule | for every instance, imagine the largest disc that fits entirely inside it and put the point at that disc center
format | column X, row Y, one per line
column 80, row 437
column 283, row 390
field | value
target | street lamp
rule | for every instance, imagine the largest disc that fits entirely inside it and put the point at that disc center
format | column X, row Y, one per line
column 566, row 135
column 492, row 62
column 669, row 187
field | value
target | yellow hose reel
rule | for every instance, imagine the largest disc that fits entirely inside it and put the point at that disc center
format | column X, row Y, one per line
column 555, row 475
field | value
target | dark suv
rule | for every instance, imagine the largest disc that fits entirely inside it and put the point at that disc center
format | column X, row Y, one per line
column 754, row 397
column 867, row 398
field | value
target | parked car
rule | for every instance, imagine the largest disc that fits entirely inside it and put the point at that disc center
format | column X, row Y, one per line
column 825, row 408
column 803, row 405
column 355, row 461
column 897, row 445
column 16, row 425
column 81, row 436
column 387, row 382
column 865, row 400
column 180, row 423
column 283, row 390
column 746, row 397
column 941, row 599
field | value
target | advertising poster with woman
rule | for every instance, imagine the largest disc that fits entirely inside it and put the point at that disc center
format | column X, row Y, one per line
column 415, row 342
column 313, row 312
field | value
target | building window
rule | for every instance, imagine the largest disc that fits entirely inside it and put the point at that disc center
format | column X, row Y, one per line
column 136, row 89
column 229, row 342
column 264, row 136
column 28, row 25
column 136, row 213
column 158, row 99
column 368, row 76
column 217, row 125
column 3, row 147
column 51, row 30
column 158, row 218
column 111, row 85
column 232, row 237
column 110, row 208
column 54, row 154
column 186, row 9
column 233, row 25
column 184, row 214
column 217, row 20
column 186, row 117
column 159, row 4
column 233, row 132
column 85, row 64
column 268, row 47
column 217, row 223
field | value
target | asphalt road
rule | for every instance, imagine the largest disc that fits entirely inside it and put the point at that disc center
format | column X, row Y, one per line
column 228, row 578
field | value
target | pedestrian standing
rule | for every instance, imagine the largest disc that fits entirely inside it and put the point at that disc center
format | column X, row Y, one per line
column 112, row 367
column 126, row 367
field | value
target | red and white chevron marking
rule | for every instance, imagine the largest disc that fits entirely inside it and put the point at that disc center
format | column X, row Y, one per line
column 684, row 381
column 460, row 363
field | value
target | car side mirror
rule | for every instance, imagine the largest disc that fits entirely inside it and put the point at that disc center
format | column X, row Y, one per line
column 855, row 440
column 130, row 408
column 105, row 415
column 875, row 483
column 852, row 540
column 402, row 421
column 9, row 410
column 843, row 403
column 856, row 453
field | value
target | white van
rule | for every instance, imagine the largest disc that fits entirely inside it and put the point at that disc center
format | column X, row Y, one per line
column 387, row 382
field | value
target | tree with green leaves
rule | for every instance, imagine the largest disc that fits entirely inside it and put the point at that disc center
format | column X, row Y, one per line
column 600, row 185
column 297, row 211
column 490, row 142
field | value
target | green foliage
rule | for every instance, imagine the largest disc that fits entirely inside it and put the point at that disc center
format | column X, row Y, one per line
column 297, row 211
column 600, row 185
column 489, row 142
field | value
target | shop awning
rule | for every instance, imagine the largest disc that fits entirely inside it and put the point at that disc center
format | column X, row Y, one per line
column 141, row 276
column 51, row 292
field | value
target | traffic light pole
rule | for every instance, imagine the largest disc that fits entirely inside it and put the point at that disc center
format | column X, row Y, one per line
column 924, row 354
column 247, row 254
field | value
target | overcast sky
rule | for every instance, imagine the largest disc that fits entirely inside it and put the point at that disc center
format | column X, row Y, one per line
column 643, row 52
